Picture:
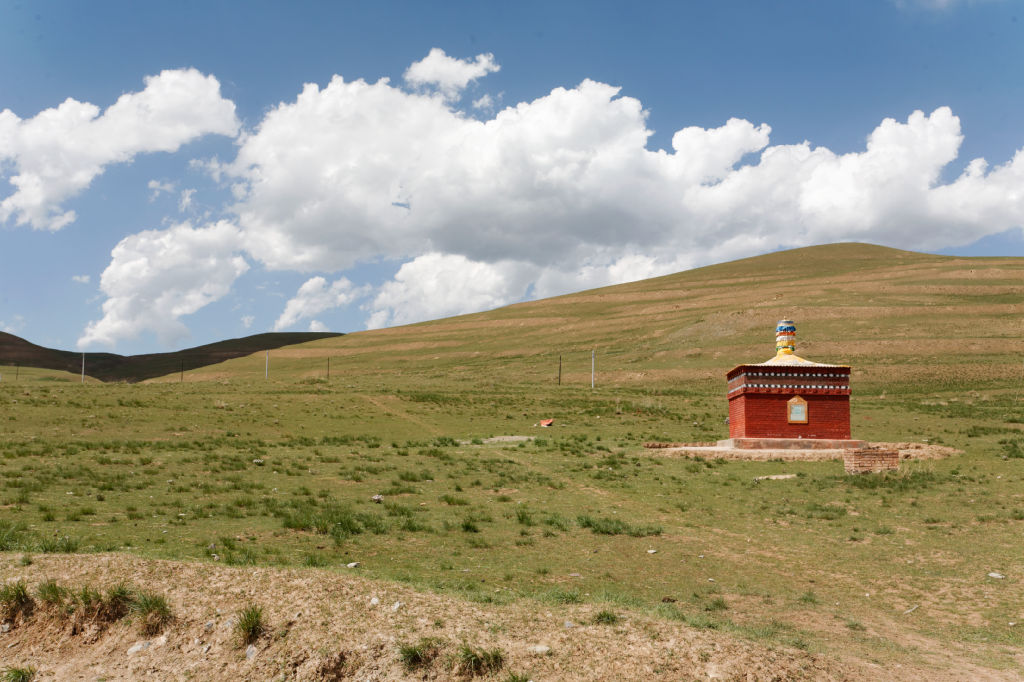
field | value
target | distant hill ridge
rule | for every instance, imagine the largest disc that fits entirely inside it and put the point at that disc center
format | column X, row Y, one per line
column 132, row 368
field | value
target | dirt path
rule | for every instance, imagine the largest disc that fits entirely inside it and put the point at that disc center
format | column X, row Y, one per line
column 386, row 405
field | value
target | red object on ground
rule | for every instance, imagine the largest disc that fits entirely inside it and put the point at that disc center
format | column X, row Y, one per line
column 547, row 422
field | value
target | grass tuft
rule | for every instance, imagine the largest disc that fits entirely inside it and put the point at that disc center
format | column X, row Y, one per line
column 250, row 625
column 153, row 609
column 420, row 654
column 474, row 662
column 15, row 600
column 26, row 674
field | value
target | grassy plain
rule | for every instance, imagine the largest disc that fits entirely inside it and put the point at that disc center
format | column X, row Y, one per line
column 228, row 466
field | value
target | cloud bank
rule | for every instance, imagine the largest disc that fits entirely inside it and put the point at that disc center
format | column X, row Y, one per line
column 545, row 196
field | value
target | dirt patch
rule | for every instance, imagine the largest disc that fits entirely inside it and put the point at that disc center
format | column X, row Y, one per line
column 326, row 626
column 508, row 439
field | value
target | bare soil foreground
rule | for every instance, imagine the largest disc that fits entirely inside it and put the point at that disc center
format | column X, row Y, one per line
column 329, row 626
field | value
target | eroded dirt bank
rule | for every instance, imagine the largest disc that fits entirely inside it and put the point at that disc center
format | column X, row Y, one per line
column 329, row 626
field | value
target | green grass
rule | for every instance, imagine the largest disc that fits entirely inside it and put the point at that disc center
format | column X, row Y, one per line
column 22, row 674
column 153, row 611
column 250, row 624
column 15, row 600
column 474, row 661
column 228, row 467
column 420, row 654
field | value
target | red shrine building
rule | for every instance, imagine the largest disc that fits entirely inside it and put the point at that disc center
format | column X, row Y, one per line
column 789, row 398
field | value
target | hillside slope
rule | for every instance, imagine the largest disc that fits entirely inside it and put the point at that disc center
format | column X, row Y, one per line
column 895, row 316
column 131, row 368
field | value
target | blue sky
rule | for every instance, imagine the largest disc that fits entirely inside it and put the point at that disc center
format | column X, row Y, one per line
column 516, row 150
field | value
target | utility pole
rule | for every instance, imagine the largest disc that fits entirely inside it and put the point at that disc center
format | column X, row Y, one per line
column 559, row 369
column 266, row 367
column 328, row 367
column 182, row 379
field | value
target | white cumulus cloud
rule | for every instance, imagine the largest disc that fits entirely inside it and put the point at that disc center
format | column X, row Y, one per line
column 318, row 326
column 80, row 279
column 449, row 74
column 438, row 285
column 314, row 297
column 562, row 192
column 156, row 277
column 58, row 152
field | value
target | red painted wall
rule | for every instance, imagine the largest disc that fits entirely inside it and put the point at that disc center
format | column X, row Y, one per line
column 763, row 415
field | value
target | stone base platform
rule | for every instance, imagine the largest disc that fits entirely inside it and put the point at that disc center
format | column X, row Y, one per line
column 790, row 444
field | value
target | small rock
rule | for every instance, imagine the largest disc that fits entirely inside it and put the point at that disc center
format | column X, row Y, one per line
column 6, row 627
column 1011, row 624
column 575, row 575
column 209, row 626
column 997, row 576
column 540, row 649
column 137, row 647
column 377, row 498
column 374, row 601
column 569, row 624
column 354, row 564
column 206, row 648
column 250, row 652
column 652, row 551
column 711, row 580
column 397, row 605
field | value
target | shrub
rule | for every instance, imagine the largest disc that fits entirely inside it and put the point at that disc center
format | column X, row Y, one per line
column 606, row 618
column 250, row 625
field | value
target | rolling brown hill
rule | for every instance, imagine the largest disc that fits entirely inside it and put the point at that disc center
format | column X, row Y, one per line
column 131, row 368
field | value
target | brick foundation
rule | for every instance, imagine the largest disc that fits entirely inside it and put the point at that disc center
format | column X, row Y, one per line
column 870, row 460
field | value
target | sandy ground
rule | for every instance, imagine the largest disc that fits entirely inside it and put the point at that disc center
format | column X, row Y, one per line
column 324, row 626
